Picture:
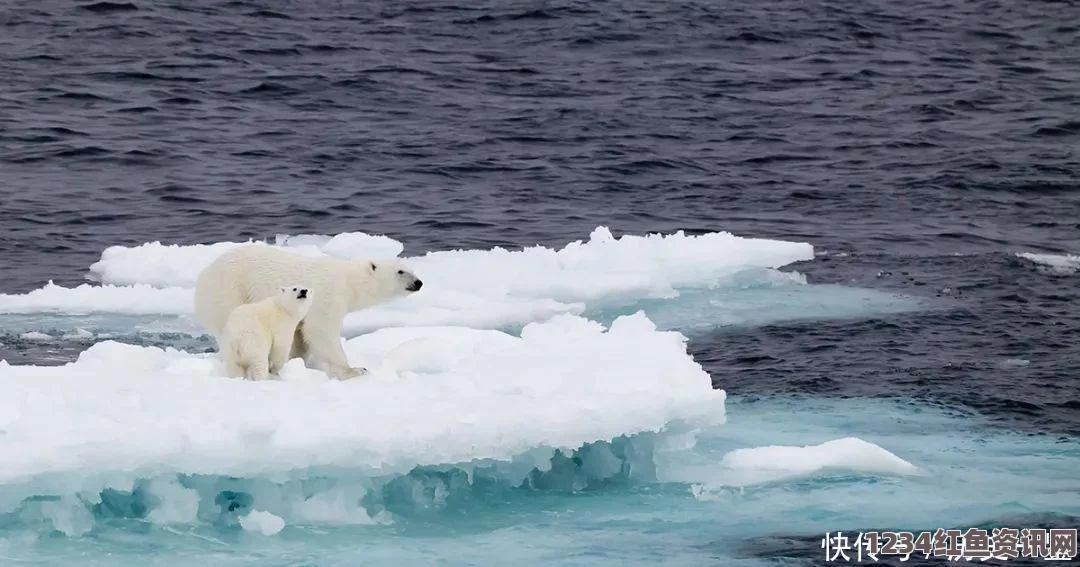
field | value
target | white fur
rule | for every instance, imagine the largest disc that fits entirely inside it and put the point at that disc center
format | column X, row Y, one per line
column 258, row 337
column 253, row 272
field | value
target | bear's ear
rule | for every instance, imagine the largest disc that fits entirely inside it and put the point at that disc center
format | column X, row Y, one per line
column 373, row 266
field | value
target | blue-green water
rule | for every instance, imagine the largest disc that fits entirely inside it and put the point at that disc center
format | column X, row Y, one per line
column 681, row 506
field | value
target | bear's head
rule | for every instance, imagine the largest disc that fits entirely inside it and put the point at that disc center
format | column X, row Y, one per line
column 296, row 300
column 393, row 278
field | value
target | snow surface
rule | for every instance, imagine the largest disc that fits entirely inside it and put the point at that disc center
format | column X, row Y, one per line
column 1061, row 264
column 436, row 395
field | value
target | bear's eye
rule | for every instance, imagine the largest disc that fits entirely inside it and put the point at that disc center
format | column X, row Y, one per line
column 401, row 272
column 373, row 267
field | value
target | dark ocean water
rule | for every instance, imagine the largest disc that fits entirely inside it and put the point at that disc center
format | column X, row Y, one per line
column 917, row 145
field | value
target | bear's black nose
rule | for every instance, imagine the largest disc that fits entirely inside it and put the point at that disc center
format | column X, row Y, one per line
column 302, row 294
column 415, row 286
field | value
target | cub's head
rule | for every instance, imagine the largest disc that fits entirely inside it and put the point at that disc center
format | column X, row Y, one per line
column 393, row 278
column 296, row 299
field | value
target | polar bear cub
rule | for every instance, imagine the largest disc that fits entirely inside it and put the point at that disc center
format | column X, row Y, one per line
column 258, row 337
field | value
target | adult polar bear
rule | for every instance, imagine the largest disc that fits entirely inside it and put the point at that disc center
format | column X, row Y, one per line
column 252, row 272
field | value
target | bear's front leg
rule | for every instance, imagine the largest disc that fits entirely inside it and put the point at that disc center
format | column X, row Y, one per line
column 257, row 370
column 324, row 351
column 279, row 353
column 234, row 369
column 346, row 372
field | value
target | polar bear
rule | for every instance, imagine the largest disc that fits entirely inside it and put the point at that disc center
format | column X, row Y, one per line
column 252, row 272
column 258, row 336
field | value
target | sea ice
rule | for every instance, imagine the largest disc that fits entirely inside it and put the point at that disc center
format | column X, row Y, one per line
column 435, row 395
column 849, row 453
column 495, row 288
column 35, row 336
column 1060, row 264
column 650, row 264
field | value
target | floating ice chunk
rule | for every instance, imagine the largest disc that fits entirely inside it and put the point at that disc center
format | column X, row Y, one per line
column 157, row 264
column 437, row 396
column 35, row 336
column 850, row 453
column 761, row 465
column 494, row 288
column 138, row 298
column 652, row 264
column 1060, row 264
column 629, row 267
column 262, row 522
column 79, row 333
